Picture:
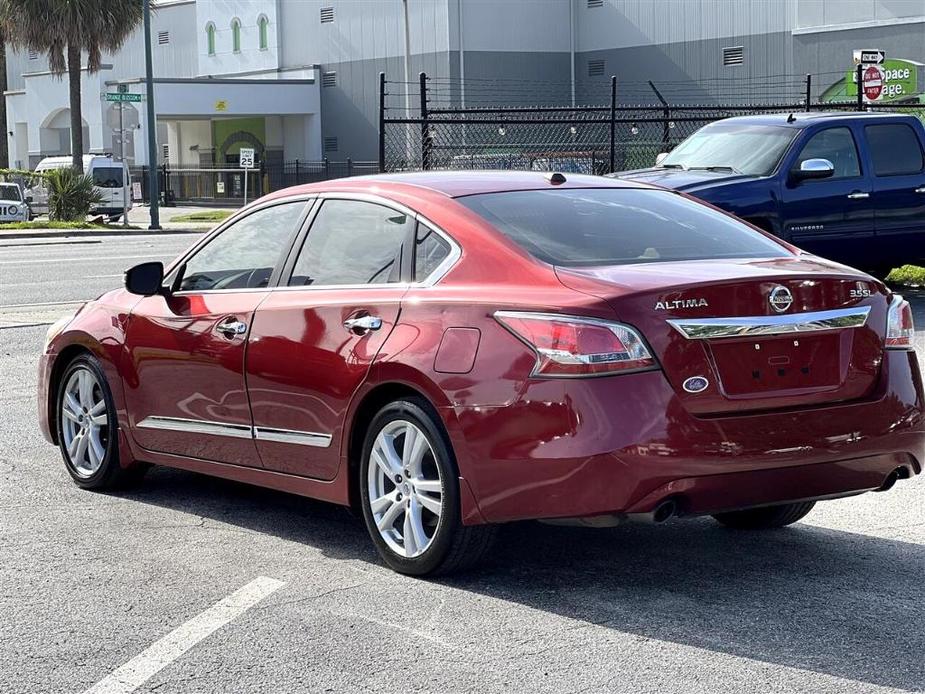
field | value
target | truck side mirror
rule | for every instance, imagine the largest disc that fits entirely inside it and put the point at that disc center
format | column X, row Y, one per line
column 660, row 157
column 813, row 169
column 145, row 279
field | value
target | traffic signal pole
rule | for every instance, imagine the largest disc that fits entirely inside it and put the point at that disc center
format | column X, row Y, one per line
column 153, row 195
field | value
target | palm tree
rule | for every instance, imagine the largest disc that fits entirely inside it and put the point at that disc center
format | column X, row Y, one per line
column 64, row 29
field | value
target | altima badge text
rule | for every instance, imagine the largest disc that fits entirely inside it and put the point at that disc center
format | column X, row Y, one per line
column 680, row 303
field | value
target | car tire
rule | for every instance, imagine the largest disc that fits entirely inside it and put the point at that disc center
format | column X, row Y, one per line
column 765, row 517
column 88, row 429
column 413, row 538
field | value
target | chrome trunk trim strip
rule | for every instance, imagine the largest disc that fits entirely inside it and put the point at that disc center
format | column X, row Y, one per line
column 196, row 426
column 754, row 326
column 302, row 438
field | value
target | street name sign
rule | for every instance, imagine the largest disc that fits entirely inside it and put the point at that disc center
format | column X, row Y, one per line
column 121, row 96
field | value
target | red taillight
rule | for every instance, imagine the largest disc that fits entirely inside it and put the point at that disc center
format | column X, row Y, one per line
column 576, row 346
column 900, row 330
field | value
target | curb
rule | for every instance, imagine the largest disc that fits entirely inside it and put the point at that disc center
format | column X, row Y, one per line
column 72, row 233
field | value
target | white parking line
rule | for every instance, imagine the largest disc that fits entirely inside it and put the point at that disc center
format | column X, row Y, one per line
column 164, row 651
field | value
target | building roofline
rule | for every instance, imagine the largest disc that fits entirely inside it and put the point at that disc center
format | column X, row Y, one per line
column 209, row 80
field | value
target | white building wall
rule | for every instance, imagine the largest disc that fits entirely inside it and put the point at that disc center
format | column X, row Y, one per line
column 251, row 58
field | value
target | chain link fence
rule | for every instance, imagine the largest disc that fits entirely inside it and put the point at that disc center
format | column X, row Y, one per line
column 420, row 128
column 224, row 185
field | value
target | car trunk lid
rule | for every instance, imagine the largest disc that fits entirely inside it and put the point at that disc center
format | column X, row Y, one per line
column 750, row 334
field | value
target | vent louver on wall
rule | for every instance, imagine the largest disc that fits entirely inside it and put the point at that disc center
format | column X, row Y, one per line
column 327, row 15
column 735, row 55
column 329, row 79
column 163, row 37
column 595, row 3
column 166, row 149
column 33, row 55
column 330, row 144
column 595, row 68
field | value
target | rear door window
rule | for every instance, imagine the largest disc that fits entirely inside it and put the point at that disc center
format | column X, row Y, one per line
column 894, row 149
column 352, row 242
column 107, row 177
column 612, row 226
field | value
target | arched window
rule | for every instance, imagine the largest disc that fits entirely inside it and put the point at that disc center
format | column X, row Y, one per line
column 236, row 35
column 210, row 38
column 263, row 31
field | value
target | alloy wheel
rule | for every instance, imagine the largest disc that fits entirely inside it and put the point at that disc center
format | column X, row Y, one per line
column 405, row 488
column 84, row 422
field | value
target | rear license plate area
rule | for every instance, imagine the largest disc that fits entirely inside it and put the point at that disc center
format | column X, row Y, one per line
column 777, row 363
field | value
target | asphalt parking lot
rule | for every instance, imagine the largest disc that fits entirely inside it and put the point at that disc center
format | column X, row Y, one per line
column 138, row 583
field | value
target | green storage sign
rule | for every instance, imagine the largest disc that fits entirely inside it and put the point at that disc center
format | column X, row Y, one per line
column 900, row 82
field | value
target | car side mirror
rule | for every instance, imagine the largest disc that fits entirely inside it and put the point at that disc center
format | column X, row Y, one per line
column 145, row 279
column 28, row 198
column 660, row 157
column 813, row 169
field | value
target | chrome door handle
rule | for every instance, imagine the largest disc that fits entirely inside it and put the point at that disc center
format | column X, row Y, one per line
column 363, row 324
column 858, row 196
column 920, row 190
column 231, row 327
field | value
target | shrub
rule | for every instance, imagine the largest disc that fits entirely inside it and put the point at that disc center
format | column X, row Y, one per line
column 907, row 274
column 70, row 195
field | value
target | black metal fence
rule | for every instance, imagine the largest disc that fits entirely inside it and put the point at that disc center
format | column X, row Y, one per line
column 427, row 132
column 223, row 186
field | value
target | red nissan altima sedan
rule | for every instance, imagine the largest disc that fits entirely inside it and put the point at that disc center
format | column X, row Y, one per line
column 445, row 352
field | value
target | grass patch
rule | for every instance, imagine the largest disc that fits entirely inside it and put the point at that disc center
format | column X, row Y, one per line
column 204, row 216
column 48, row 224
column 908, row 275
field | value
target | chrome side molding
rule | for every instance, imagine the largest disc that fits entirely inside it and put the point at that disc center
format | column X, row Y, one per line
column 238, row 431
column 751, row 326
column 302, row 438
column 196, row 426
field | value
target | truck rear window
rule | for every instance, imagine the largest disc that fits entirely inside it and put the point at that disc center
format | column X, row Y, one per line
column 612, row 226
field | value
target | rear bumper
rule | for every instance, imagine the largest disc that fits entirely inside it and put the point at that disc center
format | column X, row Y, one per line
column 624, row 444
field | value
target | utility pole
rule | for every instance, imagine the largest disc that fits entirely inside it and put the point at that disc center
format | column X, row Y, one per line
column 126, row 181
column 152, row 123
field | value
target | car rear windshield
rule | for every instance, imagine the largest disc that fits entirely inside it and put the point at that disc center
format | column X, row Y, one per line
column 107, row 177
column 614, row 226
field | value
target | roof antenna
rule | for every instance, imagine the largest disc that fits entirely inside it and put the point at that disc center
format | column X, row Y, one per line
column 555, row 178
column 791, row 118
